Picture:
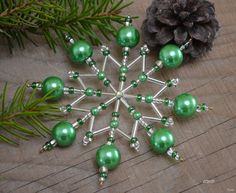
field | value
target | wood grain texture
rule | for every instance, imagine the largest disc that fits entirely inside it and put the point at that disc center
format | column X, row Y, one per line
column 207, row 141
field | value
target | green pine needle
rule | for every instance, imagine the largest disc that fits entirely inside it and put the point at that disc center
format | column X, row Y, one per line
column 23, row 116
column 53, row 19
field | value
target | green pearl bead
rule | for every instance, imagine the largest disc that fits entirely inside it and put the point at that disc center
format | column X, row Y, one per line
column 142, row 77
column 64, row 133
column 80, row 51
column 137, row 115
column 161, row 140
column 185, row 105
column 101, row 75
column 114, row 124
column 123, row 69
column 128, row 36
column 149, row 99
column 171, row 56
column 108, row 156
column 94, row 111
column 54, row 86
column 89, row 92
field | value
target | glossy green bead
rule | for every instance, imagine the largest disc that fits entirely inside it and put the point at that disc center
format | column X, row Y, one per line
column 108, row 156
column 89, row 92
column 128, row 36
column 123, row 69
column 137, row 115
column 101, row 75
column 142, row 77
column 94, row 111
column 171, row 56
column 185, row 105
column 80, row 51
column 161, row 140
column 149, row 99
column 64, row 133
column 54, row 86
column 114, row 124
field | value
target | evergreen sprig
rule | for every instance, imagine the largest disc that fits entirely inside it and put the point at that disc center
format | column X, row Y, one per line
column 23, row 116
column 53, row 19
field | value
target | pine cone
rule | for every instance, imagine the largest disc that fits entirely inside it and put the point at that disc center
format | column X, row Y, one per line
column 177, row 21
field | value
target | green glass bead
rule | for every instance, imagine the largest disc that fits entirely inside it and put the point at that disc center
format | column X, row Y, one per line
column 133, row 140
column 139, row 98
column 127, row 36
column 134, row 83
column 171, row 56
column 115, row 114
column 80, row 51
column 142, row 77
column 103, row 106
column 137, row 115
column 99, row 92
column 106, row 82
column 64, row 133
column 54, row 86
column 123, row 69
column 185, row 105
column 68, row 108
column 101, row 75
column 94, row 111
column 34, row 85
column 75, row 76
column 122, row 78
column 114, row 124
column 103, row 175
column 80, row 121
column 108, row 156
column 169, row 83
column 89, row 134
column 156, row 68
column 89, row 92
column 111, row 139
column 92, row 63
column 148, row 127
column 130, row 109
column 161, row 140
column 149, row 99
column 71, row 90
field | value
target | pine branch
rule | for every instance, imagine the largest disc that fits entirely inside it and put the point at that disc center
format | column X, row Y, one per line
column 53, row 19
column 23, row 116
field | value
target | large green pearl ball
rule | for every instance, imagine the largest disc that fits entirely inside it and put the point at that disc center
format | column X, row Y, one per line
column 64, row 133
column 171, row 56
column 80, row 51
column 54, row 86
column 108, row 156
column 161, row 140
column 185, row 105
column 128, row 36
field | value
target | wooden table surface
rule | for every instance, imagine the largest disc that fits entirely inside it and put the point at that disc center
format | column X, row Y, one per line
column 207, row 141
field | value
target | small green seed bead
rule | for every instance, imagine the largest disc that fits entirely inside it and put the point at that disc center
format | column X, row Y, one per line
column 123, row 69
column 103, row 106
column 80, row 121
column 53, row 86
column 92, row 63
column 127, row 36
column 103, row 175
column 64, row 133
column 134, row 83
column 130, row 109
column 147, row 128
column 68, row 108
column 171, row 56
column 80, row 51
column 161, row 140
column 122, row 78
column 94, row 111
column 125, row 53
column 133, row 140
column 149, row 99
column 169, row 83
column 89, row 134
column 89, row 92
column 174, row 154
column 114, row 124
column 166, row 101
column 137, row 115
column 107, row 82
column 139, row 98
column 34, row 85
column 108, row 156
column 115, row 114
column 99, row 92
column 156, row 68
column 164, row 120
column 75, row 76
column 142, row 77
column 111, row 139
column 71, row 90
column 101, row 75
column 106, row 52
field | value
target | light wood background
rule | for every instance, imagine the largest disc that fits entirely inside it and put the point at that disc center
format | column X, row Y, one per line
column 207, row 141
